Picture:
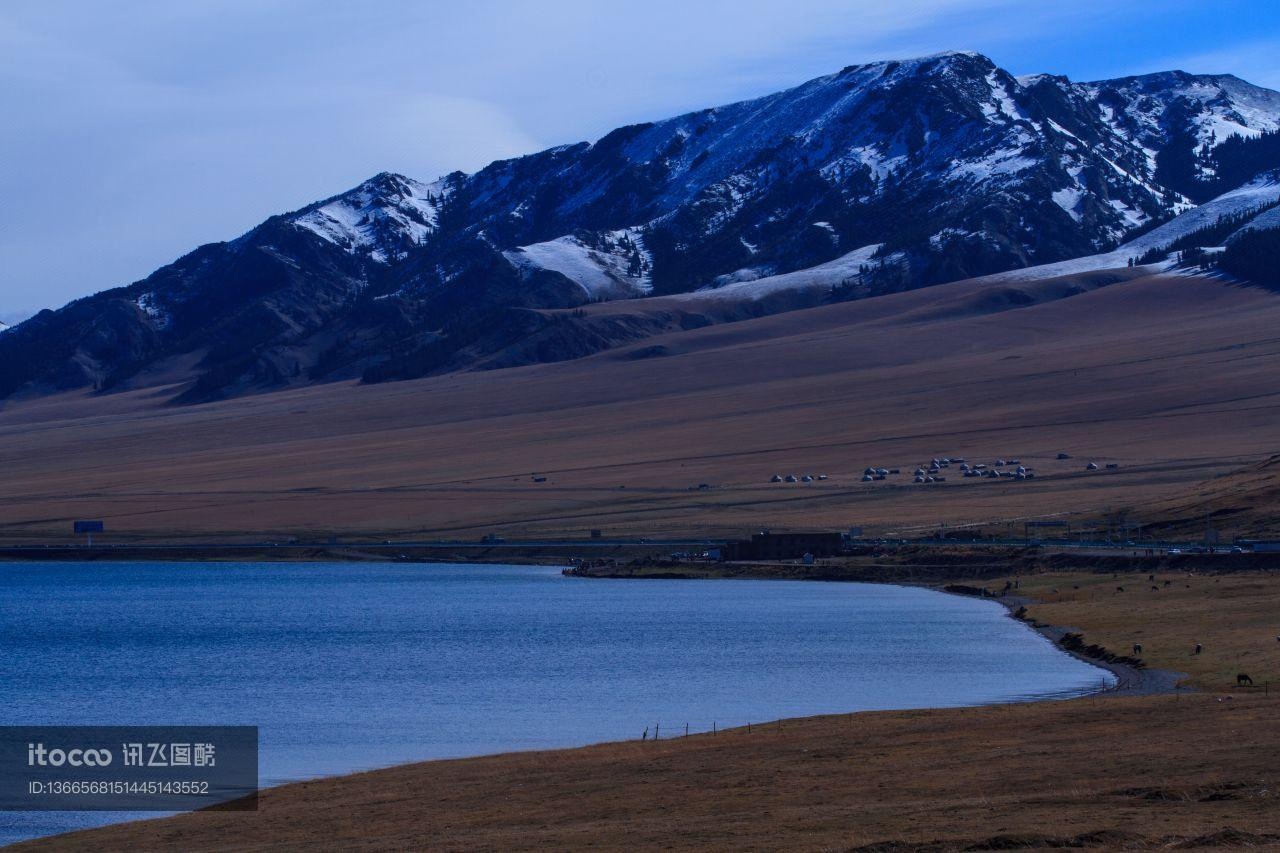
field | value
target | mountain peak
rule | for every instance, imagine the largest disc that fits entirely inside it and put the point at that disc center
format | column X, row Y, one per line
column 385, row 181
column 383, row 217
column 944, row 56
column 1217, row 106
column 1195, row 85
column 942, row 59
column 956, row 54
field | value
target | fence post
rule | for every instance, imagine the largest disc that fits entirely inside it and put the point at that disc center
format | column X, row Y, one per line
column 686, row 729
column 655, row 730
column 713, row 726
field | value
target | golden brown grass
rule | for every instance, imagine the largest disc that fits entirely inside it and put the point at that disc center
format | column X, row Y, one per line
column 1236, row 617
column 1195, row 770
column 1154, row 769
column 1171, row 378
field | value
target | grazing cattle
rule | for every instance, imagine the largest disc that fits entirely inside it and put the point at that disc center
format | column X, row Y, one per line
column 1243, row 679
column 1151, row 577
column 1137, row 648
column 1155, row 589
column 1119, row 589
column 1199, row 649
column 1168, row 583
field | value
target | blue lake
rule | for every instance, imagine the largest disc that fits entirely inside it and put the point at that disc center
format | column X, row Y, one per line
column 352, row 666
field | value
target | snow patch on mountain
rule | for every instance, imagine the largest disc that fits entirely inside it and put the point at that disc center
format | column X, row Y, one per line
column 383, row 216
column 827, row 275
column 998, row 164
column 160, row 318
column 1002, row 103
column 1132, row 218
column 1069, row 200
column 859, row 157
column 1088, row 263
column 724, row 199
column 1262, row 190
column 607, row 265
column 1266, row 220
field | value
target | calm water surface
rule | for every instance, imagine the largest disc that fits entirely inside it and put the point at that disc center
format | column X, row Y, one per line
column 353, row 666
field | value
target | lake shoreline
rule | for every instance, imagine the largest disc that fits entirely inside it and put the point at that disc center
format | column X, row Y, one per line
column 1133, row 685
column 640, row 558
column 1130, row 680
column 822, row 668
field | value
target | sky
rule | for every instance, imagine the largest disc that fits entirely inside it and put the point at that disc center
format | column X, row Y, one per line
column 132, row 132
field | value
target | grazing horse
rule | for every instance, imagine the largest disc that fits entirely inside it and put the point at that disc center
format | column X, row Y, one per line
column 1137, row 648
column 1243, row 679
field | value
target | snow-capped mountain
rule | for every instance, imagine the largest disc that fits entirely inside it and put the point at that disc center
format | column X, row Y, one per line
column 1177, row 119
column 892, row 174
column 1213, row 107
column 385, row 217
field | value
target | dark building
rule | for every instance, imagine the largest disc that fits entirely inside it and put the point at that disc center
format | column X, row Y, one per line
column 783, row 546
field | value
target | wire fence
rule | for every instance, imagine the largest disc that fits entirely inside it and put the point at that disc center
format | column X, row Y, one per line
column 672, row 730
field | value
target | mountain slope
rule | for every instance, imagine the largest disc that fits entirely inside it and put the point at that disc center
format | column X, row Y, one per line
column 948, row 165
column 1170, row 377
